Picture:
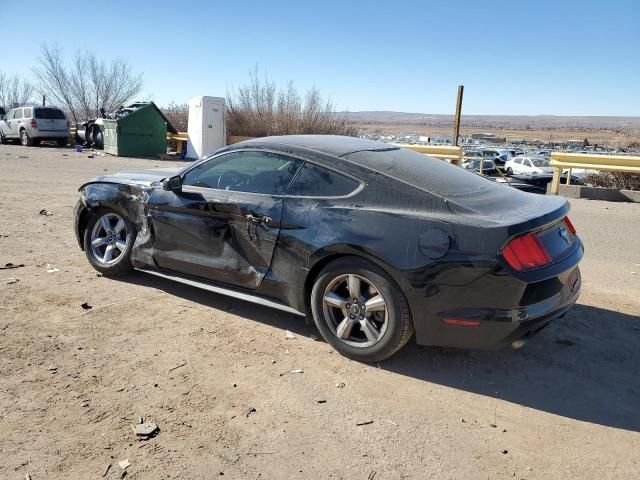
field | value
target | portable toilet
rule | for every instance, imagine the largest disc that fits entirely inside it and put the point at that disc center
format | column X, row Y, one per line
column 139, row 130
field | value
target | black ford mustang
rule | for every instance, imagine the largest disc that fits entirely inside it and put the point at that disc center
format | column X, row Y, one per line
column 370, row 240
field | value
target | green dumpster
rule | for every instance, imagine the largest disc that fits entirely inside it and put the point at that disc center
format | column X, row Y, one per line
column 140, row 132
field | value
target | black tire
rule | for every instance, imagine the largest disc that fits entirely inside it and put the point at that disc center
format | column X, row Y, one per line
column 62, row 142
column 120, row 265
column 25, row 139
column 509, row 171
column 3, row 139
column 399, row 325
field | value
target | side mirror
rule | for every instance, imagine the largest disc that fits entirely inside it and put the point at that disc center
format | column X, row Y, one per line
column 173, row 184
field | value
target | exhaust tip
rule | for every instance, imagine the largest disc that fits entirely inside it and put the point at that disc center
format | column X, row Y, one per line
column 518, row 344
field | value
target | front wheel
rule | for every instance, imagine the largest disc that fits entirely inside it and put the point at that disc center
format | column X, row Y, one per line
column 360, row 311
column 25, row 139
column 108, row 240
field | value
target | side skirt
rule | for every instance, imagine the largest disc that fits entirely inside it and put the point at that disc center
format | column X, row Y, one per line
column 247, row 297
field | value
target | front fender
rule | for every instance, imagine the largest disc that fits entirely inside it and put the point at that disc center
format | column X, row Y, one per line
column 128, row 200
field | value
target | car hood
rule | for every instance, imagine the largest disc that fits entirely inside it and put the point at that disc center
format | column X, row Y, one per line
column 137, row 177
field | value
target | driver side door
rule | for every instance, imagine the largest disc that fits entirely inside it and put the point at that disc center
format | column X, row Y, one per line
column 224, row 223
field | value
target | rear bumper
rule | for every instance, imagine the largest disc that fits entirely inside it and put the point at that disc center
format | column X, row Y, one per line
column 488, row 328
column 49, row 134
column 496, row 308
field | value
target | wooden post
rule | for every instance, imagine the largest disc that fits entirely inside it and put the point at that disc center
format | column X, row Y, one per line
column 555, row 183
column 456, row 121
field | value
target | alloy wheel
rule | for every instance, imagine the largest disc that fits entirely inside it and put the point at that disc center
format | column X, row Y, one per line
column 355, row 310
column 109, row 238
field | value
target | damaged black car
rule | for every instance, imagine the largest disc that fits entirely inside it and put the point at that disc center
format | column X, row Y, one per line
column 370, row 241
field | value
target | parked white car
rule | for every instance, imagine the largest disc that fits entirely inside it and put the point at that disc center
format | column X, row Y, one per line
column 31, row 125
column 526, row 164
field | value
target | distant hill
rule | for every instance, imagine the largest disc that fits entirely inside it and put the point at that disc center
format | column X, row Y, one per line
column 518, row 121
column 614, row 131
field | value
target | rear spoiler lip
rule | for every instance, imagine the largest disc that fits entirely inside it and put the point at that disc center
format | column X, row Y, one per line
column 538, row 223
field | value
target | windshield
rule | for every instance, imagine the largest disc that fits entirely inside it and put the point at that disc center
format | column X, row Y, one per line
column 49, row 114
column 540, row 162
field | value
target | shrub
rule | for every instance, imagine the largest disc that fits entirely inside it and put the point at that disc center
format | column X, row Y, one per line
column 619, row 180
column 261, row 109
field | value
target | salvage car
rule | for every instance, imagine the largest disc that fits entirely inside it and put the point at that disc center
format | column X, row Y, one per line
column 368, row 240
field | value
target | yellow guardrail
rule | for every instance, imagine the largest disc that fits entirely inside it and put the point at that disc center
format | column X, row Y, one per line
column 444, row 152
column 612, row 163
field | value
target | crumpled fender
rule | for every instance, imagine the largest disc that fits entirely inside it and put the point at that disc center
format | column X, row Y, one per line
column 127, row 199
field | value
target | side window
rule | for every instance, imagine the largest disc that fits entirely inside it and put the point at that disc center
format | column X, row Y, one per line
column 527, row 163
column 518, row 161
column 18, row 113
column 10, row 115
column 314, row 181
column 26, row 113
column 255, row 172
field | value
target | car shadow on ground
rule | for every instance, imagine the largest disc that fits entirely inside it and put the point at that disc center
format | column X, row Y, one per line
column 584, row 366
column 244, row 309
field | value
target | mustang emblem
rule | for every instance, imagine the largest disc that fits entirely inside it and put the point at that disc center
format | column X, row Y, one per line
column 564, row 234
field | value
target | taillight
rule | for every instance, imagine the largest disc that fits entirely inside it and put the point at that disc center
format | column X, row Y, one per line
column 526, row 252
column 33, row 123
column 569, row 225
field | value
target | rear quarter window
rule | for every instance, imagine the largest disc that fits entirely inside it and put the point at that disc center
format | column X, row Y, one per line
column 315, row 181
column 26, row 113
column 49, row 114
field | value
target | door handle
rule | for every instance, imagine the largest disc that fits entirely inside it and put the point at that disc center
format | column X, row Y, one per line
column 258, row 218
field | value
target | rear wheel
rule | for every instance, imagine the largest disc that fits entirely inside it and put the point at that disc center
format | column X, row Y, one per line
column 509, row 171
column 360, row 311
column 108, row 240
column 25, row 139
column 3, row 139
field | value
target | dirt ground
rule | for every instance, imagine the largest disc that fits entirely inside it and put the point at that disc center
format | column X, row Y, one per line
column 73, row 381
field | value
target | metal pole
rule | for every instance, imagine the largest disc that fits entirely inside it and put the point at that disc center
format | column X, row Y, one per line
column 44, row 100
column 456, row 121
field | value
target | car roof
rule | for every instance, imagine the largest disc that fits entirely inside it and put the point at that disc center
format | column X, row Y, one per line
column 335, row 145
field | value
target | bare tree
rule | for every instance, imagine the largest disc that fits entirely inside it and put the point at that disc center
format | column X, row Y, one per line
column 89, row 85
column 54, row 79
column 14, row 90
column 178, row 115
column 261, row 109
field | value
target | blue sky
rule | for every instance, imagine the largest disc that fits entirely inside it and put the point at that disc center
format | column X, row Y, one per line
column 514, row 57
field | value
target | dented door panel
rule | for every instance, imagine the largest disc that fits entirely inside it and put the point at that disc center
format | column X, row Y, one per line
column 215, row 234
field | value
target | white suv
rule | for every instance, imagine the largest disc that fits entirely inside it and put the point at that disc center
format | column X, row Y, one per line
column 31, row 125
